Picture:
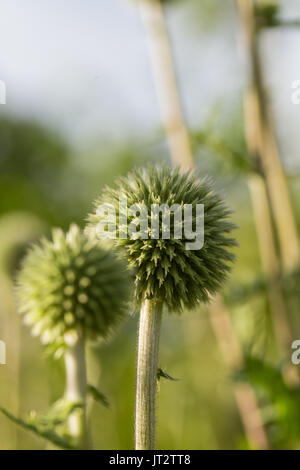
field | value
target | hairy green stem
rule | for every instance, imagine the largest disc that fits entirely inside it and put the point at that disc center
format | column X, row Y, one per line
column 147, row 365
column 76, row 385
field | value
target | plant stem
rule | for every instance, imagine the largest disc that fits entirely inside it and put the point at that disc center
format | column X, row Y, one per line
column 153, row 20
column 76, row 385
column 147, row 365
column 264, row 145
column 270, row 260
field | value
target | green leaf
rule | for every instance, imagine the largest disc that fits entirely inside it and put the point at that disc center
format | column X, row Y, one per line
column 97, row 395
column 46, row 433
column 163, row 374
column 57, row 414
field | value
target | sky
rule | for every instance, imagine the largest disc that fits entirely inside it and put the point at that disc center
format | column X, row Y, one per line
column 82, row 67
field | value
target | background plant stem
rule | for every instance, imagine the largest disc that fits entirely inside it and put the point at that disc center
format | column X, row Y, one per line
column 147, row 365
column 270, row 260
column 76, row 385
column 265, row 145
column 165, row 82
column 269, row 191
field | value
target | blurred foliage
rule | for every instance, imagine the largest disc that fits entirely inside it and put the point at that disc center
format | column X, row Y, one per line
column 281, row 411
column 243, row 292
column 50, row 425
column 32, row 159
column 292, row 283
column 234, row 160
column 266, row 13
column 40, row 172
column 224, row 140
column 30, row 151
column 208, row 15
column 17, row 231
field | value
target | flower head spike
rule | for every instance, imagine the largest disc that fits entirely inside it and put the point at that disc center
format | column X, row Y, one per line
column 71, row 285
column 166, row 271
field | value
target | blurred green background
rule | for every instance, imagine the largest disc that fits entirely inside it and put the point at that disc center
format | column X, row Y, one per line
column 81, row 108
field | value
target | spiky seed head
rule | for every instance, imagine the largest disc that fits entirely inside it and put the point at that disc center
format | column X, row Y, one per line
column 165, row 270
column 69, row 286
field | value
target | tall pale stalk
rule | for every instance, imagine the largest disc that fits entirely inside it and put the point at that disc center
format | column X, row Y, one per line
column 269, row 192
column 165, row 82
column 256, row 105
column 177, row 135
column 264, row 228
column 270, row 261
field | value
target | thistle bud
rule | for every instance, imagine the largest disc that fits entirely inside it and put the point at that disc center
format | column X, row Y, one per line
column 69, row 286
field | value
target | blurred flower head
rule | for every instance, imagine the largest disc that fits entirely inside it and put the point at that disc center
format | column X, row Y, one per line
column 70, row 286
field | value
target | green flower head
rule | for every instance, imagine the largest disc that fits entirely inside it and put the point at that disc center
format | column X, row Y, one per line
column 166, row 271
column 71, row 286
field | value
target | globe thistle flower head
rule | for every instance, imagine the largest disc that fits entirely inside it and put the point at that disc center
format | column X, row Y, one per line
column 69, row 286
column 17, row 230
column 166, row 271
